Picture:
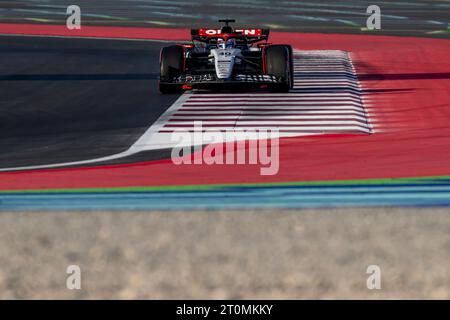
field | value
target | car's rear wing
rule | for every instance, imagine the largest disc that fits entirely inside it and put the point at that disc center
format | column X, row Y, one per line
column 252, row 35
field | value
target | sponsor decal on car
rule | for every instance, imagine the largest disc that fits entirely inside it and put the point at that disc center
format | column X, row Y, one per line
column 246, row 32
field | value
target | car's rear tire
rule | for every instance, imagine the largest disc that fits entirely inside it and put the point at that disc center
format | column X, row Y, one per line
column 171, row 65
column 279, row 63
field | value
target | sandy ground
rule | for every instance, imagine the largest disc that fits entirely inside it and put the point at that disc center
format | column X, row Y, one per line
column 214, row 255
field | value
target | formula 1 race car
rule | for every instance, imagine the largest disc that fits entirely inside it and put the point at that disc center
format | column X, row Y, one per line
column 225, row 58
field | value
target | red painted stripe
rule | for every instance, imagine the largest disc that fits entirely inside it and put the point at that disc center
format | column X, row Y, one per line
column 245, row 104
column 269, row 114
column 265, row 95
column 294, row 107
column 273, row 100
column 96, row 31
column 238, row 125
column 239, row 119
column 309, row 131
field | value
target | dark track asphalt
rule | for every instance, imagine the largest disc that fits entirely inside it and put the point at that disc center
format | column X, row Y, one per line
column 75, row 99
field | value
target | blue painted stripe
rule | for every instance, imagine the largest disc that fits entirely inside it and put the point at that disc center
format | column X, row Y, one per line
column 435, row 193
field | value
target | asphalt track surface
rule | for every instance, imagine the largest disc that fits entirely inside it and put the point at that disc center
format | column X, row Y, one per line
column 401, row 17
column 76, row 99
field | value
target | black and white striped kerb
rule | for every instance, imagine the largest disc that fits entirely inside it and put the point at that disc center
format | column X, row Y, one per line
column 326, row 99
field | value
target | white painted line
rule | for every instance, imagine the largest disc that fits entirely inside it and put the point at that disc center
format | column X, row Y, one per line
column 304, row 130
column 260, row 118
column 265, row 113
column 274, row 123
column 307, row 96
column 303, row 104
column 272, row 95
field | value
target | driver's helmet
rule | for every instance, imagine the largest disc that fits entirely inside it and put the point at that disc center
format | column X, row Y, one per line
column 220, row 43
column 231, row 43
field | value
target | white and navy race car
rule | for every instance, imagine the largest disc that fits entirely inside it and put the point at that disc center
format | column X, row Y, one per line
column 228, row 59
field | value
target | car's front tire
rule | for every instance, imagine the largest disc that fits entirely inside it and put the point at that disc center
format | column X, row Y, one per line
column 279, row 63
column 171, row 66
